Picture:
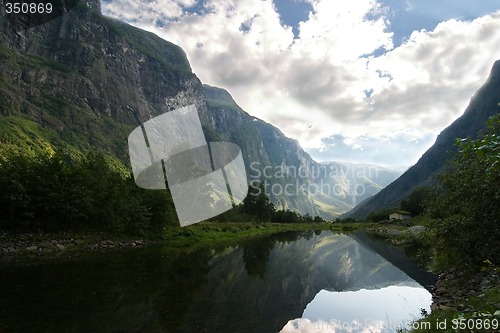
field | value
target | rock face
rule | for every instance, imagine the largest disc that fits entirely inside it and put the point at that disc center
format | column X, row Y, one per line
column 91, row 79
column 483, row 105
column 295, row 181
column 84, row 81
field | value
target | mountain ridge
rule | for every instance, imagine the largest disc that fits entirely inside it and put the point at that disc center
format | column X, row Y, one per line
column 268, row 146
column 84, row 81
column 483, row 104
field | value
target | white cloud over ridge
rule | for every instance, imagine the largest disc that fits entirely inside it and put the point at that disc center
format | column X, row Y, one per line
column 327, row 81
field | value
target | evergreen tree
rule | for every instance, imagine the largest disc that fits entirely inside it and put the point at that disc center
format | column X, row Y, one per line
column 257, row 203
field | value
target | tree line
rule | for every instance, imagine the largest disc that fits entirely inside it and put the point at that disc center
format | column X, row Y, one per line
column 257, row 207
column 53, row 190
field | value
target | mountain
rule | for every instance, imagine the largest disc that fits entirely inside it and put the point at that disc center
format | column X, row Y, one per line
column 365, row 180
column 484, row 104
column 84, row 81
column 295, row 181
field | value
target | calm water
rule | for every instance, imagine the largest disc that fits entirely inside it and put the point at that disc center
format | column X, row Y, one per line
column 291, row 282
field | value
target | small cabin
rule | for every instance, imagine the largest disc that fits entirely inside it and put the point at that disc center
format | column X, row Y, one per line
column 399, row 215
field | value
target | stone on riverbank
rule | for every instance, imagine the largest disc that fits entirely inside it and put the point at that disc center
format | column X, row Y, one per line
column 417, row 230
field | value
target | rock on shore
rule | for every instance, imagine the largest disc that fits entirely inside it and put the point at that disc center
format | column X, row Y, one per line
column 16, row 247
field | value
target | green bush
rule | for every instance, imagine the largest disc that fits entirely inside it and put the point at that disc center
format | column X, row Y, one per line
column 466, row 209
column 54, row 191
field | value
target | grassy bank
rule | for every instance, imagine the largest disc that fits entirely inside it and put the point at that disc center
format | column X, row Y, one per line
column 211, row 233
column 23, row 246
column 472, row 311
column 465, row 298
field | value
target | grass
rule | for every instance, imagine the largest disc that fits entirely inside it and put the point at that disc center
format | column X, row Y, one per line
column 216, row 233
column 6, row 53
column 172, row 238
column 25, row 134
column 478, row 310
column 451, row 320
column 169, row 55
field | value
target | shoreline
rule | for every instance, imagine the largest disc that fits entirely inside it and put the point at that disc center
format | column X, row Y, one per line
column 455, row 292
column 460, row 293
column 35, row 247
column 40, row 246
column 462, row 297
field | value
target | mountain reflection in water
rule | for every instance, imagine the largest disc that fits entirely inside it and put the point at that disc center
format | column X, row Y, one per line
column 286, row 282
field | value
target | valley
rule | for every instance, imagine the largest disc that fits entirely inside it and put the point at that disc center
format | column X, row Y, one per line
column 84, row 248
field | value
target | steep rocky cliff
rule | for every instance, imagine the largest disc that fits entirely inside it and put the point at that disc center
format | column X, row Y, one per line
column 91, row 79
column 484, row 104
column 84, row 81
column 294, row 180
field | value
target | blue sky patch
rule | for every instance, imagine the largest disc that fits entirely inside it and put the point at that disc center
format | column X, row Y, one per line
column 292, row 12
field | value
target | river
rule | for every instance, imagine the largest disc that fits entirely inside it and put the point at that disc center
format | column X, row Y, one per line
column 290, row 282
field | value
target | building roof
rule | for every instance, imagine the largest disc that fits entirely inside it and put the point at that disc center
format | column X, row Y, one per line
column 402, row 212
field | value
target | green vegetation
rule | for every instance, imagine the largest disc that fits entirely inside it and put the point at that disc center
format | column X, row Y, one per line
column 378, row 216
column 54, row 191
column 257, row 207
column 415, row 205
column 25, row 136
column 223, row 104
column 219, row 98
column 171, row 56
column 416, row 201
column 462, row 214
column 453, row 321
column 50, row 189
column 217, row 233
column 465, row 207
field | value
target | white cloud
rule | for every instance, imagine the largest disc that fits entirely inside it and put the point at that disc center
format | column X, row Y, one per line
column 435, row 73
column 314, row 86
column 390, row 149
column 146, row 12
column 339, row 30
column 304, row 325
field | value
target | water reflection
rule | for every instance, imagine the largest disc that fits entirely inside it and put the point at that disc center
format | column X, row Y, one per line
column 380, row 310
column 261, row 285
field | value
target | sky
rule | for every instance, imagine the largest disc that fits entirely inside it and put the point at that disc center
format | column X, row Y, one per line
column 370, row 81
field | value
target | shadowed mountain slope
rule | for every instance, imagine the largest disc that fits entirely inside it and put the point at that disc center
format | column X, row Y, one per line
column 483, row 105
